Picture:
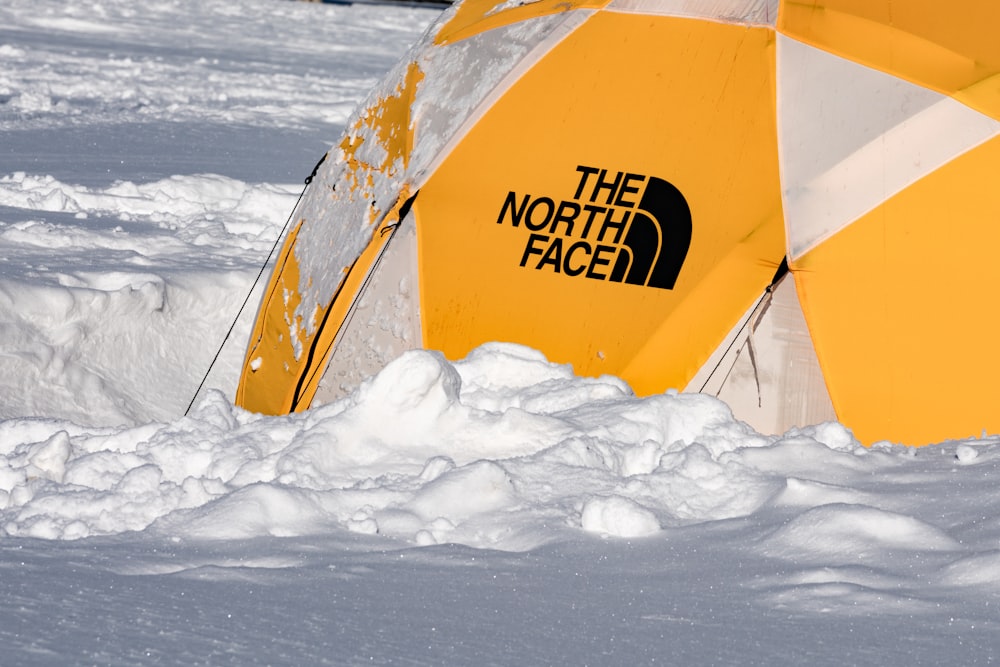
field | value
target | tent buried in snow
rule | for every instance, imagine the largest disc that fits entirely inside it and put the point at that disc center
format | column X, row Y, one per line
column 792, row 205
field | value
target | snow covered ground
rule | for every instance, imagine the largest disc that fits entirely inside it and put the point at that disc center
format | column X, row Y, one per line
column 496, row 510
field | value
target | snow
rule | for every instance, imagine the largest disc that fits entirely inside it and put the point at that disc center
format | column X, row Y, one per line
column 494, row 510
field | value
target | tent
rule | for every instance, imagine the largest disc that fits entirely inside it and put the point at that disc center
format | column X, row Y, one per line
column 792, row 205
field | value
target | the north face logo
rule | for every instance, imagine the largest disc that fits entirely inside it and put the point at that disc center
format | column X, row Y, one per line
column 625, row 228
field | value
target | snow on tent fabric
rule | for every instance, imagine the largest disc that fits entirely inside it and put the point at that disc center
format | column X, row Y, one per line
column 622, row 184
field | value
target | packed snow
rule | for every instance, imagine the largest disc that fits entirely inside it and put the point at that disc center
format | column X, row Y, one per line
column 491, row 510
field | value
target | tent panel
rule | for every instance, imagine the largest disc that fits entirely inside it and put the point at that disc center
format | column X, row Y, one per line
column 951, row 47
column 384, row 322
column 767, row 370
column 829, row 107
column 898, row 306
column 588, row 205
column 276, row 342
column 851, row 136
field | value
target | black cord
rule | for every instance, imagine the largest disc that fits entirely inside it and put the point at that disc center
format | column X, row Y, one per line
column 778, row 275
column 256, row 281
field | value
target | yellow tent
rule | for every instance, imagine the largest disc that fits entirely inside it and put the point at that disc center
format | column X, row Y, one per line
column 792, row 205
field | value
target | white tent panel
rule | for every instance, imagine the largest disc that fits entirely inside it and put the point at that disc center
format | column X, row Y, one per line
column 382, row 324
column 766, row 369
column 850, row 137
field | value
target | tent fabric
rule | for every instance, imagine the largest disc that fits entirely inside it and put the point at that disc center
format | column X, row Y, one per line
column 852, row 136
column 384, row 322
column 616, row 183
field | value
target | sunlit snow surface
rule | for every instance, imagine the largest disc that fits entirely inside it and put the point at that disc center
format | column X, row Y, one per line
column 490, row 510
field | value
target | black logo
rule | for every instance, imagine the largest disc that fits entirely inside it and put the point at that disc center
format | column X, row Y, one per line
column 625, row 228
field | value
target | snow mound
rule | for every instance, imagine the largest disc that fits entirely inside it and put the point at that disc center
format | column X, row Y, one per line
column 420, row 452
column 619, row 517
column 113, row 299
column 855, row 534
